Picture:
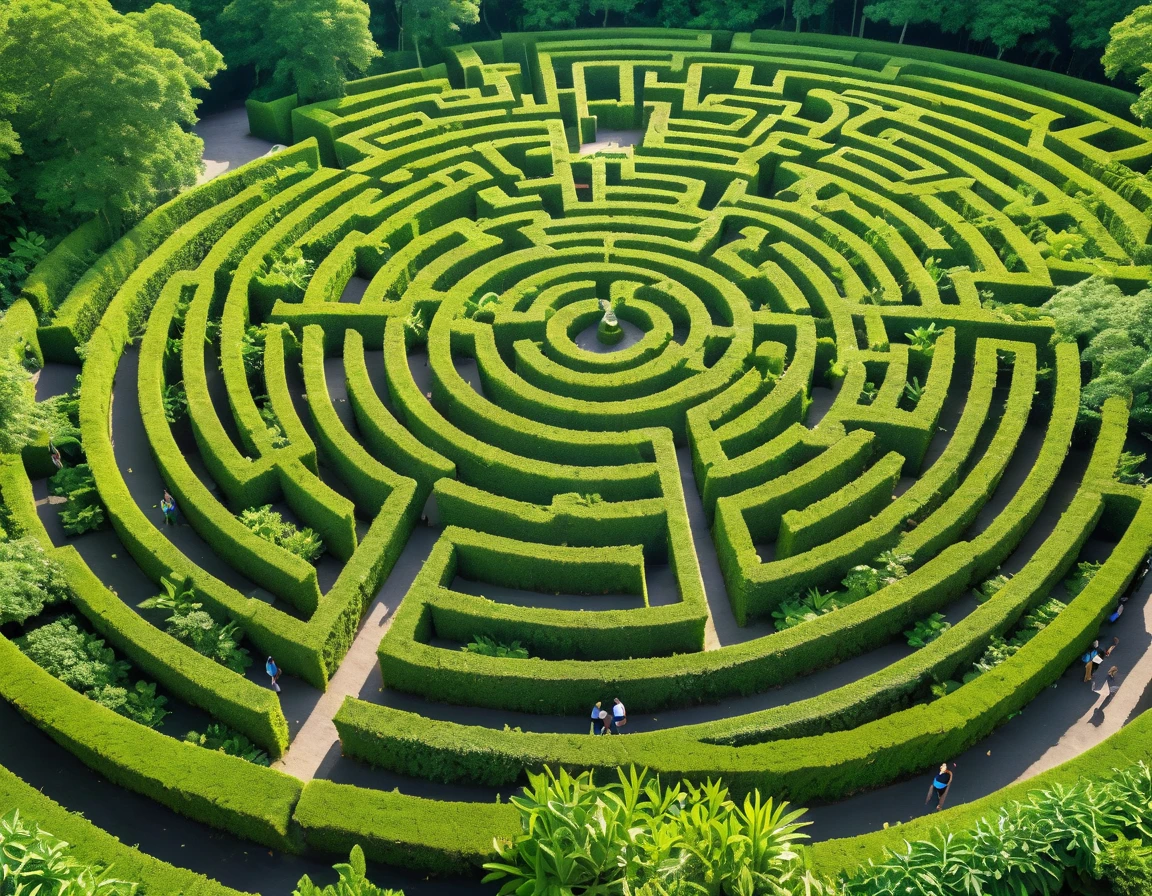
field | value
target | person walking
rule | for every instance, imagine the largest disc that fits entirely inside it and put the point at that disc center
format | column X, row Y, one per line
column 168, row 508
column 619, row 715
column 940, row 786
column 1089, row 659
column 273, row 672
column 1111, row 685
column 595, row 718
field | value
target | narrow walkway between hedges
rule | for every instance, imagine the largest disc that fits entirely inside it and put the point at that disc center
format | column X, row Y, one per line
column 316, row 748
column 1062, row 722
column 227, row 143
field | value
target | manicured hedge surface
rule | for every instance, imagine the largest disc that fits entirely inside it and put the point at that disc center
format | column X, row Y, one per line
column 92, row 845
column 394, row 323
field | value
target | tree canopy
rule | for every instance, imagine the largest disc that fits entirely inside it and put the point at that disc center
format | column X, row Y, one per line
column 1130, row 52
column 307, row 47
column 102, row 105
column 432, row 21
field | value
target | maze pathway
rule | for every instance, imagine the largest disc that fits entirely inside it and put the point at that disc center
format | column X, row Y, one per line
column 832, row 385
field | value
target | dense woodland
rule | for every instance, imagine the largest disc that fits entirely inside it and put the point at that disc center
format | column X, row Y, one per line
column 98, row 99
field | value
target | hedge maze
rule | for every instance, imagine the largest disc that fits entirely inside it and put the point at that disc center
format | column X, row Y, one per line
column 818, row 408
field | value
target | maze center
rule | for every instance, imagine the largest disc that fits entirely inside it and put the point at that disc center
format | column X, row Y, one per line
column 830, row 409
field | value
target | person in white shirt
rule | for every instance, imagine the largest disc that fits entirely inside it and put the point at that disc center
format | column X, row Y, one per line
column 619, row 715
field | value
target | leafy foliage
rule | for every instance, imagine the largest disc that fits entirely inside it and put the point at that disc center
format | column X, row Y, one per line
column 271, row 526
column 923, row 339
column 1130, row 52
column 1081, row 576
column 353, row 881
column 103, row 106
column 308, row 47
column 578, row 836
column 227, row 740
column 434, row 21
column 1114, row 333
column 20, row 417
column 29, row 580
column 24, row 253
column 83, row 511
column 925, row 631
column 488, row 647
column 1074, row 834
column 35, row 863
column 1128, row 468
column 191, row 624
column 81, row 661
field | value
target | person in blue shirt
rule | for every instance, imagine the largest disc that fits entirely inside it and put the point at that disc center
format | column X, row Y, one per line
column 940, row 786
column 273, row 672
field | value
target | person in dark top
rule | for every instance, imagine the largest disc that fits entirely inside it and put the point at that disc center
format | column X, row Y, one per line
column 940, row 786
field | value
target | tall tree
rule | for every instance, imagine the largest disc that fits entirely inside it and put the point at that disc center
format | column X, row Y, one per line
column 729, row 15
column 621, row 7
column 307, row 47
column 1004, row 22
column 433, row 21
column 550, row 15
column 103, row 111
column 803, row 10
column 1130, row 52
column 905, row 12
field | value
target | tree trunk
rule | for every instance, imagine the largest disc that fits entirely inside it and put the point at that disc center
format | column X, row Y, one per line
column 903, row 31
column 1071, row 59
column 784, row 18
column 863, row 19
column 797, row 24
column 852, row 24
column 999, row 52
column 399, row 27
column 416, row 45
column 604, row 24
column 484, row 16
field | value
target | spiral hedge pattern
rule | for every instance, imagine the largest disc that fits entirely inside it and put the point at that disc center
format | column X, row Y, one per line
column 788, row 218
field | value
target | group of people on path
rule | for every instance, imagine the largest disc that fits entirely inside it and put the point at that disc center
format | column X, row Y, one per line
column 609, row 724
column 1095, row 657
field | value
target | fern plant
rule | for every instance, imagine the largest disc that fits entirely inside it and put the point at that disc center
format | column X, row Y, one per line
column 190, row 624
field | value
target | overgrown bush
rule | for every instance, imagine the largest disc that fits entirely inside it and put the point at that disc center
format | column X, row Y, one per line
column 81, row 661
column 227, row 740
column 271, row 526
column 191, row 624
column 1078, row 580
column 30, row 580
column 34, row 863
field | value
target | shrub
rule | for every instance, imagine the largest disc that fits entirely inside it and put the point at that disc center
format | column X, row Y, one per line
column 353, row 880
column 30, row 580
column 272, row 527
column 227, row 740
column 580, row 836
column 82, row 662
column 83, row 510
column 191, row 624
